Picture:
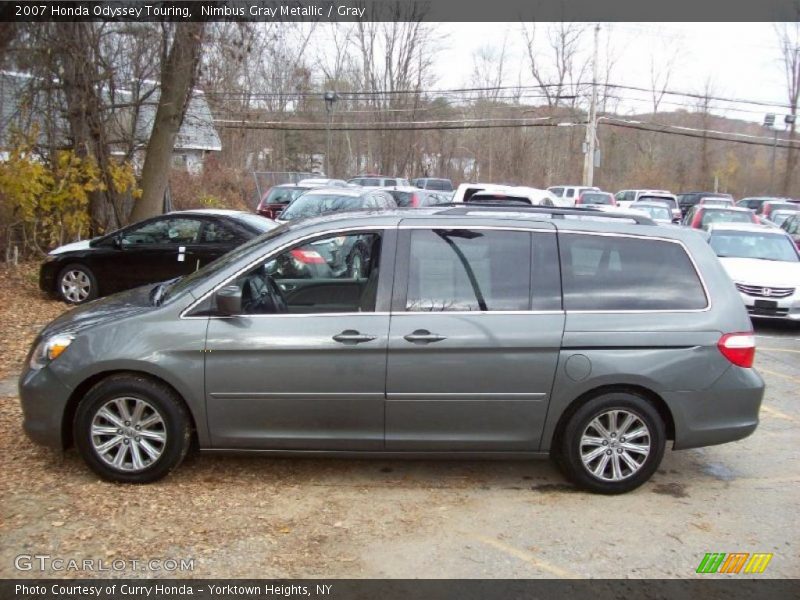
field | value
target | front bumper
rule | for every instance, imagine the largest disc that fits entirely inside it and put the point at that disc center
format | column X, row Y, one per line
column 44, row 399
column 773, row 308
column 47, row 277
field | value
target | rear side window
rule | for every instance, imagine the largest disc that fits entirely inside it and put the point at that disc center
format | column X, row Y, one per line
column 480, row 270
column 617, row 273
column 570, row 192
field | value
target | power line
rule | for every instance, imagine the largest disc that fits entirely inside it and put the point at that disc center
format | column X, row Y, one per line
column 507, row 124
column 573, row 86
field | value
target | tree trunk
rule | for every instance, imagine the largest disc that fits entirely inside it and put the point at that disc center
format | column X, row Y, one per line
column 85, row 115
column 177, row 80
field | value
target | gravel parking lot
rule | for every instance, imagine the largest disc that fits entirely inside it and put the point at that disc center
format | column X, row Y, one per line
column 266, row 517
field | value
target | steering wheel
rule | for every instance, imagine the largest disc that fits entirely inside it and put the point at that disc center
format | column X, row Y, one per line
column 276, row 295
column 262, row 296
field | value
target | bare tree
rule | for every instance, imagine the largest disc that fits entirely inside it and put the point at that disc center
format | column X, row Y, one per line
column 177, row 82
column 661, row 71
column 558, row 68
column 789, row 37
column 396, row 62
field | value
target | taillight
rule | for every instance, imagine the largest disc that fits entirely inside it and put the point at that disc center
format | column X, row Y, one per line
column 308, row 257
column 739, row 348
column 414, row 201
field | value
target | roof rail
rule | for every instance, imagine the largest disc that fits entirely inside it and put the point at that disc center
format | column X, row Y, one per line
column 556, row 212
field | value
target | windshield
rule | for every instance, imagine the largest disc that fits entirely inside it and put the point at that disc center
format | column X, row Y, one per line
column 779, row 216
column 747, row 244
column 656, row 212
column 312, row 205
column 589, row 198
column 660, row 200
column 726, row 216
column 283, row 195
column 182, row 284
column 716, row 202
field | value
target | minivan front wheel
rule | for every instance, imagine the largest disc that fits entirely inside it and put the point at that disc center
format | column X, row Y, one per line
column 132, row 429
column 613, row 443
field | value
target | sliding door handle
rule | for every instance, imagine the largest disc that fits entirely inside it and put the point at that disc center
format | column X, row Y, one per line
column 423, row 336
column 351, row 336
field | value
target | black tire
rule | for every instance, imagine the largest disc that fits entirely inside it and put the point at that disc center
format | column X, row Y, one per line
column 76, row 272
column 568, row 453
column 175, row 424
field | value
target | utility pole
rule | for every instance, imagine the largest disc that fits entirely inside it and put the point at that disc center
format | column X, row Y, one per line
column 591, row 126
column 330, row 98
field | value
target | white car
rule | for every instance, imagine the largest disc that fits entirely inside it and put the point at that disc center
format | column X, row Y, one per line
column 764, row 264
column 567, row 194
column 664, row 198
column 466, row 191
column 626, row 197
column 516, row 194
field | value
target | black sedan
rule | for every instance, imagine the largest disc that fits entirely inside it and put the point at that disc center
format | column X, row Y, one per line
column 153, row 250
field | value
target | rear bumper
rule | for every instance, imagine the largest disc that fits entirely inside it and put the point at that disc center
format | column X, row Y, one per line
column 726, row 412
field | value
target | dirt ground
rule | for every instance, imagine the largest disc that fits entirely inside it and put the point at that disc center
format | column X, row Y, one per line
column 266, row 517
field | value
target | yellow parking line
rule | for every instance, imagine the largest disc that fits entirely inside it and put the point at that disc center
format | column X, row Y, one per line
column 776, row 374
column 528, row 557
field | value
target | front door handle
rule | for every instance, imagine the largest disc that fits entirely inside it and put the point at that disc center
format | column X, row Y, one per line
column 423, row 336
column 351, row 336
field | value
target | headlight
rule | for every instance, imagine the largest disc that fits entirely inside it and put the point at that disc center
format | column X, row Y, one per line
column 50, row 349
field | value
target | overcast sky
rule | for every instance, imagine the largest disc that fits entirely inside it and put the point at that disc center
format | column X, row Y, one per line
column 741, row 59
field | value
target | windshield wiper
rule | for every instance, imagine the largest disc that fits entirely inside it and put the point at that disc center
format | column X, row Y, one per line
column 155, row 294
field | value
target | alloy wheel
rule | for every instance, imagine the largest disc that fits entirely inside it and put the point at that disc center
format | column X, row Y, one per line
column 75, row 285
column 615, row 445
column 128, row 434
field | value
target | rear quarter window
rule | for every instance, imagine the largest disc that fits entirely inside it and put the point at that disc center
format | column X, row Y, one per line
column 616, row 273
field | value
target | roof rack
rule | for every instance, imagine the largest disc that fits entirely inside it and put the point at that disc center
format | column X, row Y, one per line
column 556, row 212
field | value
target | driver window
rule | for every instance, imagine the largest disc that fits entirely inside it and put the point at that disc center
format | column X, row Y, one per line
column 153, row 232
column 163, row 231
column 337, row 274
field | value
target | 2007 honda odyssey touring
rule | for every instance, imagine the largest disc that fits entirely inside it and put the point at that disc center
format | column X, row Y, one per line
column 475, row 331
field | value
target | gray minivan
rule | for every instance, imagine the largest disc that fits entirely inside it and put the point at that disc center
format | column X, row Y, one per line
column 474, row 332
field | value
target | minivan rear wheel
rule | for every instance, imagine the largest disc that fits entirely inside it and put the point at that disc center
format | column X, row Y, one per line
column 613, row 443
column 132, row 429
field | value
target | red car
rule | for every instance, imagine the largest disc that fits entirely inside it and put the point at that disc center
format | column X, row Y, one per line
column 593, row 197
column 278, row 197
column 700, row 217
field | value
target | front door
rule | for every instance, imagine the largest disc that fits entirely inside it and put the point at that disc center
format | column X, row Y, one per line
column 475, row 336
column 304, row 366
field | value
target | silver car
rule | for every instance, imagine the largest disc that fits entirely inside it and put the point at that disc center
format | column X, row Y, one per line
column 474, row 332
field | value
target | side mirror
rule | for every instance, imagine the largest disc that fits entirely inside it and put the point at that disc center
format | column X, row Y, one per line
column 229, row 300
